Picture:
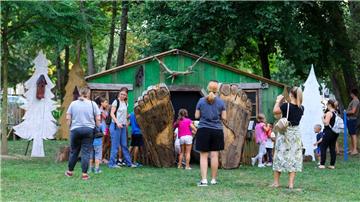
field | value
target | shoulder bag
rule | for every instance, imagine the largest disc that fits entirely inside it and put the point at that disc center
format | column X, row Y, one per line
column 283, row 123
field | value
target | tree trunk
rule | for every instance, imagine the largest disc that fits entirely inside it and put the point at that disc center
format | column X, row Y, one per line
column 59, row 77
column 124, row 22
column 339, row 88
column 65, row 74
column 5, row 63
column 90, row 55
column 263, row 54
column 112, row 33
column 343, row 43
column 355, row 33
column 89, row 45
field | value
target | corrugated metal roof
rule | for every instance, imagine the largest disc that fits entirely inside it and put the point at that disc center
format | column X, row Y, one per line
column 180, row 52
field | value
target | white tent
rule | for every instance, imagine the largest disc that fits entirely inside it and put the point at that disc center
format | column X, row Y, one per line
column 313, row 112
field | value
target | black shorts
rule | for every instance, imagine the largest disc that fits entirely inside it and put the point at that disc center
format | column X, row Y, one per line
column 351, row 124
column 208, row 139
column 137, row 141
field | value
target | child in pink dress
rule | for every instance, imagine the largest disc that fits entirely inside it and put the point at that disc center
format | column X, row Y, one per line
column 260, row 137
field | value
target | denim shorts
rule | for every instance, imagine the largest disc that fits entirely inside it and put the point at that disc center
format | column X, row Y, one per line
column 98, row 152
column 187, row 139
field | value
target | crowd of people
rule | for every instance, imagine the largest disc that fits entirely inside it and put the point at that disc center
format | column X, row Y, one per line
column 83, row 115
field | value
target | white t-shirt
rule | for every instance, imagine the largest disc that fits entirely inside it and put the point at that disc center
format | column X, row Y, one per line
column 121, row 112
column 269, row 143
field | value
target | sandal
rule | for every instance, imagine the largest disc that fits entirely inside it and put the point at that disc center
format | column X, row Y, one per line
column 331, row 167
column 69, row 173
column 85, row 177
column 274, row 186
column 293, row 189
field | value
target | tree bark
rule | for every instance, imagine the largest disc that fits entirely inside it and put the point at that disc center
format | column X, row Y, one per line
column 344, row 45
column 59, row 77
column 5, row 63
column 122, row 43
column 339, row 88
column 263, row 54
column 355, row 33
column 112, row 33
column 89, row 45
column 65, row 73
column 90, row 55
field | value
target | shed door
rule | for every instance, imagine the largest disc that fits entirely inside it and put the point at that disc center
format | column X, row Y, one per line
column 185, row 99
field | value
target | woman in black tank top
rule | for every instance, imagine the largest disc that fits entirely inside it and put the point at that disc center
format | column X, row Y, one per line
column 330, row 137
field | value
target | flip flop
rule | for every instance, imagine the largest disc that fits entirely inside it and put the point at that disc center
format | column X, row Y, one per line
column 274, row 186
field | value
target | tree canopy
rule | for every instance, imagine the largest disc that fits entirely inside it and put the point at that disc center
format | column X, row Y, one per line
column 278, row 40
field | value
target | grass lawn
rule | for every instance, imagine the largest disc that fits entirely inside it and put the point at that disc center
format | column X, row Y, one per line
column 41, row 179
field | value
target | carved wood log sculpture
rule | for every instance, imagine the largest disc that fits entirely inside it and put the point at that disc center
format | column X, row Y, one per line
column 155, row 116
column 238, row 112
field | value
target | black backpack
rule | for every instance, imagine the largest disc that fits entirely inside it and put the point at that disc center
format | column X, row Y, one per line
column 108, row 118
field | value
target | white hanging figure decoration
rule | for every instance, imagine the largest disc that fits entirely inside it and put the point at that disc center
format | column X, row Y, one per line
column 38, row 122
column 313, row 113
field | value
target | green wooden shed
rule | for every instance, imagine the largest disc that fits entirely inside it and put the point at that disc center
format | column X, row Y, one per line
column 187, row 88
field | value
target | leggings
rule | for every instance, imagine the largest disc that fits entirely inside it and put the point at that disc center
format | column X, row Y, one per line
column 269, row 154
column 261, row 153
column 329, row 140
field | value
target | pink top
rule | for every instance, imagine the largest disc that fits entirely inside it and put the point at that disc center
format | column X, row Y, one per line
column 184, row 127
column 260, row 134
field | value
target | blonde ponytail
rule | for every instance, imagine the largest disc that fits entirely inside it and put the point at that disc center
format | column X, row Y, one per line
column 296, row 92
column 212, row 88
column 299, row 97
column 211, row 97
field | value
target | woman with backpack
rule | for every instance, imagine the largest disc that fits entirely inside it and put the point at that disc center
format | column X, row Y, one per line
column 118, row 127
column 330, row 137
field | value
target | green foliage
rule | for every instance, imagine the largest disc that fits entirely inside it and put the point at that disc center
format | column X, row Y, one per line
column 42, row 179
column 293, row 35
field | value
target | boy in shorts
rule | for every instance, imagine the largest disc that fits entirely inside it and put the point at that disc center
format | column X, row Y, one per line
column 96, row 154
column 136, row 139
column 319, row 136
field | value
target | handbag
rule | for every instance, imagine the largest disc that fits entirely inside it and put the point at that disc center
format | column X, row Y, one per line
column 96, row 132
column 283, row 123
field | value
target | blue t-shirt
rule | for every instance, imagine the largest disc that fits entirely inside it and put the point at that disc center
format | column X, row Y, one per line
column 318, row 137
column 97, row 142
column 210, row 114
column 135, row 129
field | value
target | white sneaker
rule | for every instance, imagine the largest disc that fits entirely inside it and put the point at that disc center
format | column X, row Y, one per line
column 202, row 183
column 261, row 165
column 213, row 182
column 268, row 164
column 253, row 161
